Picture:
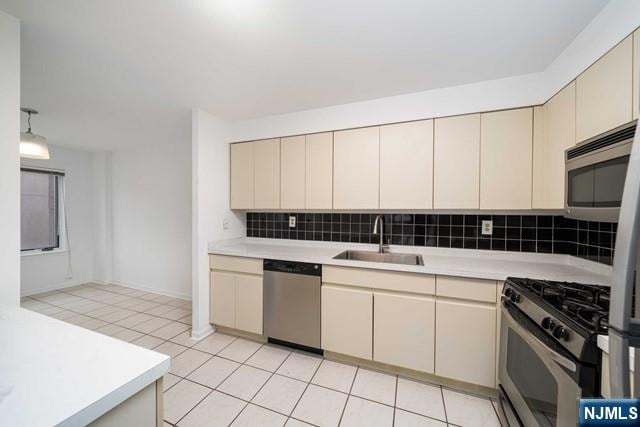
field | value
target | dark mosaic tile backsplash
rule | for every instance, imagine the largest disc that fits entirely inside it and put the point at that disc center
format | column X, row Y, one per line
column 529, row 233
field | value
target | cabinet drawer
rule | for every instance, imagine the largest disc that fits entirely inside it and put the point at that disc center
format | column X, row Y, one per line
column 468, row 289
column 380, row 279
column 237, row 264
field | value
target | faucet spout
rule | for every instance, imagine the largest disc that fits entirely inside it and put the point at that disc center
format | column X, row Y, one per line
column 379, row 220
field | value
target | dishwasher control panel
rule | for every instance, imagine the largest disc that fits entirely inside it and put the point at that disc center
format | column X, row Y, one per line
column 305, row 268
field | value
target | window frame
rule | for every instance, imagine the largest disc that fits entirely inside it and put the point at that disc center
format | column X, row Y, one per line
column 61, row 245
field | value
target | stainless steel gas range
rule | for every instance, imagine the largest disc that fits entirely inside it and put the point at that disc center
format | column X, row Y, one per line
column 549, row 357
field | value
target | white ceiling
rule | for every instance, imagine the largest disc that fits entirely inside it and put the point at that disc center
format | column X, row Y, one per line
column 109, row 74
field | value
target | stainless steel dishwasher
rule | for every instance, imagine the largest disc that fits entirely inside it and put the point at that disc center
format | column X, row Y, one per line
column 292, row 303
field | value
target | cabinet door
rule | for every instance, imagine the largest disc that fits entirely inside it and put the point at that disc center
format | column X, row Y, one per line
column 319, row 171
column 292, row 179
column 554, row 132
column 456, row 162
column 636, row 74
column 466, row 341
column 356, row 167
column 406, row 165
column 222, row 299
column 506, row 143
column 603, row 92
column 249, row 303
column 404, row 330
column 267, row 174
column 347, row 317
column 241, row 176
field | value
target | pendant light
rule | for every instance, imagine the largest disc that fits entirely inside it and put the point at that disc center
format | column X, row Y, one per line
column 32, row 146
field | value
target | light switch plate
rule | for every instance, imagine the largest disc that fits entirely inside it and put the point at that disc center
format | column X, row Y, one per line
column 292, row 222
column 225, row 224
column 487, row 227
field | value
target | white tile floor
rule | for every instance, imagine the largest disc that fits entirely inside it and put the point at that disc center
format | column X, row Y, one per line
column 224, row 380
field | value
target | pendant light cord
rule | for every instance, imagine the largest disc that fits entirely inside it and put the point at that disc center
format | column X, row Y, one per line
column 29, row 121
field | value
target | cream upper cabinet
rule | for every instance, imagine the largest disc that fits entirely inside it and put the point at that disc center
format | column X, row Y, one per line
column 406, row 165
column 403, row 330
column 347, row 321
column 554, row 132
column 356, row 167
column 266, row 174
column 506, row 144
column 319, row 171
column 292, row 172
column 466, row 353
column 241, row 175
column 456, row 162
column 636, row 74
column 603, row 92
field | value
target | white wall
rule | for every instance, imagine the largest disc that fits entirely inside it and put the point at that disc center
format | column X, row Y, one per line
column 210, row 187
column 151, row 218
column 48, row 271
column 9, row 159
column 102, row 218
column 617, row 20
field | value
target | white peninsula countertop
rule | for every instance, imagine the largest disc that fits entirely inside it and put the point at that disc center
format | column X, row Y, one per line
column 482, row 264
column 60, row 374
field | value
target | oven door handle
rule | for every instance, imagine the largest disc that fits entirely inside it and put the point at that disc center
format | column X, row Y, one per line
column 533, row 340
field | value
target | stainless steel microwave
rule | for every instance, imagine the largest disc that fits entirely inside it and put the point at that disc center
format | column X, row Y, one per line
column 595, row 172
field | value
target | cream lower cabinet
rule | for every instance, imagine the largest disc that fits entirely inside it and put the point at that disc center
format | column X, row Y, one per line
column 403, row 330
column 466, row 341
column 236, row 293
column 347, row 321
column 223, row 297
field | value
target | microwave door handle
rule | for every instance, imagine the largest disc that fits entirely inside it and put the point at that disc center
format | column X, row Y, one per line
column 623, row 330
column 533, row 340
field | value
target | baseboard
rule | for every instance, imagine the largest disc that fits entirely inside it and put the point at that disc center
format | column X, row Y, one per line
column 202, row 333
column 57, row 287
column 179, row 295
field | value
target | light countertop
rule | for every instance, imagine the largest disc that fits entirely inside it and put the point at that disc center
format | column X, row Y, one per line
column 483, row 264
column 62, row 374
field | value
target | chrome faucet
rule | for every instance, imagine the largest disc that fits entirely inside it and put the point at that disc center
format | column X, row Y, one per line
column 379, row 219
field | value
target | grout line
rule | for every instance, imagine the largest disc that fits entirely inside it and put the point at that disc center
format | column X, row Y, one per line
column 240, row 364
column 444, row 405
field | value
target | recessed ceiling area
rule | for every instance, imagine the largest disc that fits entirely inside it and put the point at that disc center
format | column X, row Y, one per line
column 109, row 74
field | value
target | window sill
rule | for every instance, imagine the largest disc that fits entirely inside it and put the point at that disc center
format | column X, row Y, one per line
column 38, row 252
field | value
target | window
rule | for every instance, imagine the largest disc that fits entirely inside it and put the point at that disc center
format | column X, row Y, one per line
column 40, row 209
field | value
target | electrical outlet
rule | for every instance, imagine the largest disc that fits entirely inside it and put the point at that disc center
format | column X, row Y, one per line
column 487, row 227
column 225, row 224
column 292, row 222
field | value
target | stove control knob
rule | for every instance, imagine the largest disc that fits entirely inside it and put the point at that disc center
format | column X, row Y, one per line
column 560, row 332
column 508, row 292
column 548, row 323
column 516, row 297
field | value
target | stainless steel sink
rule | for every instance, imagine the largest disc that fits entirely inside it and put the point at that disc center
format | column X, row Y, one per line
column 392, row 258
